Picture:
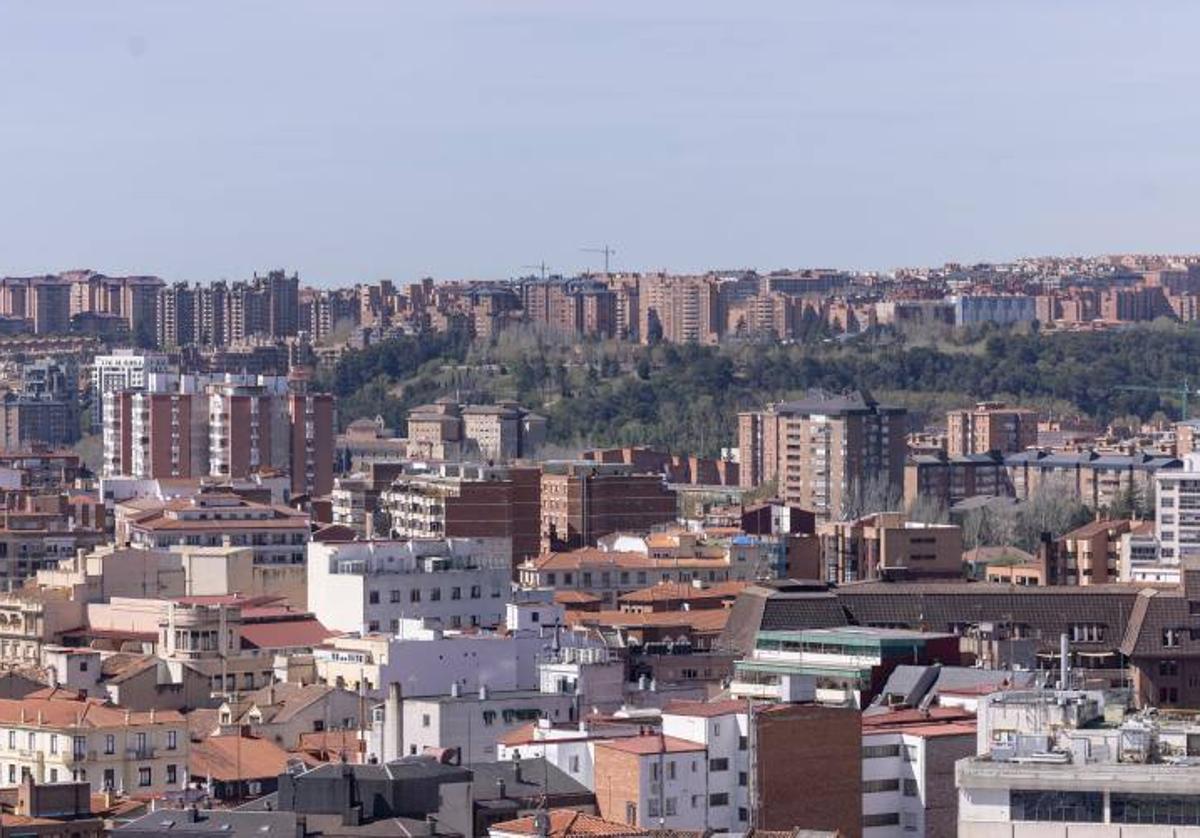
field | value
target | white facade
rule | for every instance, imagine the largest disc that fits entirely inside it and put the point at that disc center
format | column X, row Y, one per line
column 370, row 586
column 1177, row 512
column 121, row 370
column 726, row 739
column 474, row 721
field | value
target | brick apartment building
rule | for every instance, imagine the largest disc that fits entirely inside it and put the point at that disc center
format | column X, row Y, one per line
column 822, row 449
column 886, row 546
column 990, row 426
column 583, row 501
column 466, row 499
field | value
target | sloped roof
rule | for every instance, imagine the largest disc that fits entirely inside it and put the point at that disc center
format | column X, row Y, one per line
column 566, row 822
column 236, row 758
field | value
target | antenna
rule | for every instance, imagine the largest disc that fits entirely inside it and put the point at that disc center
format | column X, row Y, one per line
column 606, row 250
column 540, row 266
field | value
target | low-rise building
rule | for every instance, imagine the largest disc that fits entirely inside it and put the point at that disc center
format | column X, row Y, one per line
column 370, row 586
column 55, row 736
column 888, row 546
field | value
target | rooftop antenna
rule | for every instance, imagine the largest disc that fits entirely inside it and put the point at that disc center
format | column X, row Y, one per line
column 606, row 250
column 541, row 266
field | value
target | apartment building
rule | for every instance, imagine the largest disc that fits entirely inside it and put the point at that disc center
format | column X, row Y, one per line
column 275, row 534
column 823, row 451
column 371, row 586
column 1177, row 511
column 610, row 574
column 888, row 546
column 446, row 430
column 1097, row 480
column 452, row 500
column 223, row 425
column 55, row 736
column 583, row 501
column 679, row 309
column 1087, row 555
column 37, row 528
column 123, row 369
column 908, row 770
column 950, row 480
column 988, row 427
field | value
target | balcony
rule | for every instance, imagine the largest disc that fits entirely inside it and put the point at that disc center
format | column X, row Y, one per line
column 144, row 752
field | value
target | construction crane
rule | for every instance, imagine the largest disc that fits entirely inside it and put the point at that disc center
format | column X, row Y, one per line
column 540, row 266
column 1183, row 391
column 606, row 250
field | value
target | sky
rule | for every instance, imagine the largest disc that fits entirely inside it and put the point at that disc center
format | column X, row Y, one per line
column 354, row 141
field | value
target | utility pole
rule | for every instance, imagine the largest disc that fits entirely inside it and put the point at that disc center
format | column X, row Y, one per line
column 606, row 250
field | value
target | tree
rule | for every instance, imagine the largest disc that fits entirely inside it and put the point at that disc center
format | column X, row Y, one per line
column 871, row 495
column 926, row 509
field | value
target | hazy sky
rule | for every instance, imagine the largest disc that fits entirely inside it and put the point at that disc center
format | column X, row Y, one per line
column 360, row 140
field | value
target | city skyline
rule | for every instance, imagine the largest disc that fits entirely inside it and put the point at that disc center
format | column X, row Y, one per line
column 469, row 141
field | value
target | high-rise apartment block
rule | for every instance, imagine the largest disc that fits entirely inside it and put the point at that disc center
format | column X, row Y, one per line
column 226, row 426
column 990, row 426
column 123, row 369
column 824, row 451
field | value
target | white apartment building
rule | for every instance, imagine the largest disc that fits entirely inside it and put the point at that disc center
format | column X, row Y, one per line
column 475, row 721
column 569, row 747
column 908, row 775
column 371, row 586
column 1177, row 512
column 1058, row 764
column 723, row 729
column 121, row 370
column 427, row 660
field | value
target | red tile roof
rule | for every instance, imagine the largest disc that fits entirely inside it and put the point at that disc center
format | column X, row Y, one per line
column 668, row 591
column 652, row 744
column 706, row 709
column 236, row 757
column 284, row 634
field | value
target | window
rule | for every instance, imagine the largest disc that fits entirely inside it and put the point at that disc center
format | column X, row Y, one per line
column 110, row 744
column 910, row 788
column 878, row 751
column 718, row 764
column 54, row 775
column 12, row 739
column 652, row 807
column 54, row 743
column 414, row 595
column 1168, row 695
column 718, row 799
column 1183, row 810
column 743, row 743
column 144, row 776
column 655, row 771
column 743, row 779
column 743, row 814
column 172, row 739
column 12, row 774
column 881, row 819
column 1087, row 632
column 110, row 779
column 456, row 593
column 1171, row 637
column 876, row 786
column 424, row 720
column 373, row 597
column 395, row 596
column 1057, row 806
column 476, row 593
column 911, row 753
column 670, row 806
column 1168, row 668
column 574, row 764
column 630, row 813
column 435, row 594
column 671, row 770
column 172, row 777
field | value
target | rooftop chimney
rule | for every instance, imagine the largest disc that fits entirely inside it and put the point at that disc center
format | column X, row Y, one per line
column 393, row 726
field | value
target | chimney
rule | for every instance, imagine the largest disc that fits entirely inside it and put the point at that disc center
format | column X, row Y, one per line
column 500, row 788
column 393, row 726
column 455, row 689
column 483, row 692
column 1064, row 651
column 517, row 774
